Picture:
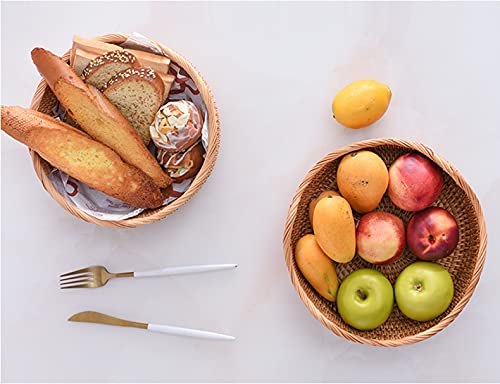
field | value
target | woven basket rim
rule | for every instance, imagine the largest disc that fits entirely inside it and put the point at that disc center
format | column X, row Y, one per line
column 457, row 178
column 40, row 165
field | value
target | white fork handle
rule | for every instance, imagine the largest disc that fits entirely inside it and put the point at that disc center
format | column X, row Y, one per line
column 188, row 332
column 184, row 270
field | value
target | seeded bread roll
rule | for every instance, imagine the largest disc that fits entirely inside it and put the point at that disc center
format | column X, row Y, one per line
column 76, row 154
column 104, row 67
column 138, row 94
column 96, row 115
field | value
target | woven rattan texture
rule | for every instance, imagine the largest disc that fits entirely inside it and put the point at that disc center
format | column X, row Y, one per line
column 44, row 100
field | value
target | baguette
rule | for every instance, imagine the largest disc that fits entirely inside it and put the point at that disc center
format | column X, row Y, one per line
column 96, row 115
column 76, row 154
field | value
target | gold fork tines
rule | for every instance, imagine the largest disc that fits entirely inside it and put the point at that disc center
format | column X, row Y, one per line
column 92, row 277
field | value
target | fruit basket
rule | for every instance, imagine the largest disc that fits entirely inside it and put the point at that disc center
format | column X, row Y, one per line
column 44, row 101
column 464, row 264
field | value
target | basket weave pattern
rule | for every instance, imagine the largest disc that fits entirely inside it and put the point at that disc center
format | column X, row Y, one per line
column 465, row 264
column 44, row 100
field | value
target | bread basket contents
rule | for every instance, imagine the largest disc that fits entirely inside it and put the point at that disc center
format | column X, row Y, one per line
column 77, row 154
column 96, row 115
column 365, row 297
column 110, row 101
column 86, row 50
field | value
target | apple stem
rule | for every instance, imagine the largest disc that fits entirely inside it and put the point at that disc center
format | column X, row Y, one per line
column 361, row 294
column 418, row 287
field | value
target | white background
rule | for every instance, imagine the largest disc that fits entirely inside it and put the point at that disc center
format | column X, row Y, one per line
column 274, row 70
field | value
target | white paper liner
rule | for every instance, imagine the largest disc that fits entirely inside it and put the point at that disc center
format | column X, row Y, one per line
column 105, row 207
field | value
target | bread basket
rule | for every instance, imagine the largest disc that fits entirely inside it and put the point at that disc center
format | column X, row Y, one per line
column 464, row 264
column 44, row 100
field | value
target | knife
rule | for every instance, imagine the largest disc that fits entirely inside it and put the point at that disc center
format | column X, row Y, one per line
column 101, row 318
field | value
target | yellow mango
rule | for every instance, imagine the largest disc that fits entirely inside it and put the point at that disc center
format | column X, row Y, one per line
column 361, row 103
column 313, row 202
column 362, row 178
column 334, row 228
column 317, row 268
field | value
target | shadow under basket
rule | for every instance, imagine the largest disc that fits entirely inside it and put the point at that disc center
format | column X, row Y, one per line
column 44, row 100
column 464, row 264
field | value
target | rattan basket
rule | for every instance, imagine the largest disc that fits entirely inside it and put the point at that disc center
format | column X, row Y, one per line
column 465, row 264
column 44, row 100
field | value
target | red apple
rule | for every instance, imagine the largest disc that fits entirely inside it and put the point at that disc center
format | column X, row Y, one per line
column 432, row 234
column 380, row 237
column 415, row 182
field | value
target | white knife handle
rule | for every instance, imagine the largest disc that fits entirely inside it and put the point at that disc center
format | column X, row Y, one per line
column 184, row 270
column 188, row 332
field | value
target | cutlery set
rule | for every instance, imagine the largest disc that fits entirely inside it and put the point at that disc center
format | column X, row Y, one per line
column 97, row 276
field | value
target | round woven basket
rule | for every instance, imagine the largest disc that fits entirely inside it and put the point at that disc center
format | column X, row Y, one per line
column 44, row 100
column 465, row 264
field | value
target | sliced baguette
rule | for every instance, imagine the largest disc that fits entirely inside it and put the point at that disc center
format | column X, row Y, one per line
column 76, row 154
column 96, row 115
column 99, row 70
column 137, row 93
column 82, row 58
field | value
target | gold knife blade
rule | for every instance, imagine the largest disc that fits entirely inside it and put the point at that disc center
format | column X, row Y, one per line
column 101, row 318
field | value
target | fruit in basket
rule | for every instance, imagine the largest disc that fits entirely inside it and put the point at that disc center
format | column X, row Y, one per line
column 415, row 182
column 362, row 179
column 432, row 234
column 334, row 228
column 365, row 299
column 424, row 290
column 317, row 268
column 313, row 202
column 380, row 237
column 361, row 103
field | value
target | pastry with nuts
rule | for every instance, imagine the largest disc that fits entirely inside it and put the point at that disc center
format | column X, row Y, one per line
column 177, row 126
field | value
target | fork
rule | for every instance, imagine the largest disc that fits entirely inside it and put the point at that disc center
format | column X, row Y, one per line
column 96, row 276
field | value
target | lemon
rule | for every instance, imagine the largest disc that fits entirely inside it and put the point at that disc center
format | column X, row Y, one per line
column 361, row 103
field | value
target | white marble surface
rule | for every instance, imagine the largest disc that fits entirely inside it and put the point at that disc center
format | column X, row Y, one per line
column 274, row 69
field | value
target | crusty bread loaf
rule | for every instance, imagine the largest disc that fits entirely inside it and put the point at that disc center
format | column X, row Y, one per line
column 76, row 154
column 82, row 59
column 99, row 70
column 96, row 115
column 138, row 94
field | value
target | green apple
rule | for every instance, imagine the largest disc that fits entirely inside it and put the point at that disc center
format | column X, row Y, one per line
column 424, row 290
column 365, row 299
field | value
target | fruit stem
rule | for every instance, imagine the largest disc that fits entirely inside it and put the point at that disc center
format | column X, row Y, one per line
column 361, row 294
column 418, row 287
